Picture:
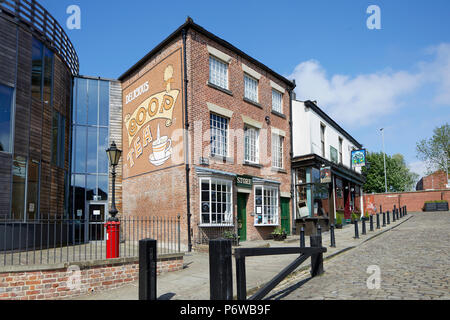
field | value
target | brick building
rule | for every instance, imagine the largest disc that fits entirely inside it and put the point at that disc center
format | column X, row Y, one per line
column 207, row 136
column 435, row 181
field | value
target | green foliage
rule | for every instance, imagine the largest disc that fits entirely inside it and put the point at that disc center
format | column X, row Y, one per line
column 278, row 231
column 437, row 201
column 229, row 235
column 339, row 220
column 436, row 150
column 399, row 178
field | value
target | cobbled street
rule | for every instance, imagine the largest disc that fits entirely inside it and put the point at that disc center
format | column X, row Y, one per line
column 414, row 261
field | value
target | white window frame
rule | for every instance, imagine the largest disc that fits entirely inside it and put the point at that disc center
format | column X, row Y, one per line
column 218, row 76
column 277, row 151
column 216, row 145
column 251, row 88
column 275, row 102
column 270, row 212
column 227, row 216
column 251, row 144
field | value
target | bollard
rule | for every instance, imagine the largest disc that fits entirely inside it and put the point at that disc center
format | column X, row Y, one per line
column 384, row 219
column 401, row 212
column 220, row 270
column 378, row 221
column 394, row 213
column 388, row 217
column 363, row 222
column 319, row 230
column 371, row 223
column 147, row 269
column 356, row 230
column 406, row 210
column 302, row 238
column 316, row 259
column 333, row 238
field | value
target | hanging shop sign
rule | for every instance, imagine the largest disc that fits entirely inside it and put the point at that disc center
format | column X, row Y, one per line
column 325, row 175
column 153, row 118
column 359, row 158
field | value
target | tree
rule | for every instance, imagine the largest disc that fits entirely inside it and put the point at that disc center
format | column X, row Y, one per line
column 436, row 150
column 399, row 178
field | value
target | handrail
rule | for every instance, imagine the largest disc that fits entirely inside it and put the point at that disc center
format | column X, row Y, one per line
column 38, row 19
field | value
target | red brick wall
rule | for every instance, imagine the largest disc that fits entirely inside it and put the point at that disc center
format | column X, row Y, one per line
column 200, row 93
column 435, row 181
column 52, row 284
column 415, row 201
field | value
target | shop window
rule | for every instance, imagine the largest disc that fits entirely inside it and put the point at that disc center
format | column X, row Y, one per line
column 6, row 105
column 216, row 202
column 266, row 206
column 219, row 135
column 250, row 88
column 218, row 72
column 251, row 142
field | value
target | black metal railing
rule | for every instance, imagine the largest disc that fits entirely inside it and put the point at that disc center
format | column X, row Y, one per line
column 52, row 241
column 37, row 18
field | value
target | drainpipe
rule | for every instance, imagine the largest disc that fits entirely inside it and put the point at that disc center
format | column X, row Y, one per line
column 188, row 169
column 293, row 191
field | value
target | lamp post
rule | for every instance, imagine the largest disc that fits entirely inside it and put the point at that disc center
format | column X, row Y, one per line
column 384, row 155
column 114, row 155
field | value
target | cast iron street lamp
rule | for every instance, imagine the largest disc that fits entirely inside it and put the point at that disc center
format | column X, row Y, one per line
column 114, row 155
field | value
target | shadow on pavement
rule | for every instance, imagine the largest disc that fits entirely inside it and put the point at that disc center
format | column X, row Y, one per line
column 285, row 292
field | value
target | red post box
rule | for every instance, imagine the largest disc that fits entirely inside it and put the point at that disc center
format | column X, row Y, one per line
column 112, row 239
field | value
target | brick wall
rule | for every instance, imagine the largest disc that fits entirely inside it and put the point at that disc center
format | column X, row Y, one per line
column 54, row 284
column 435, row 181
column 415, row 201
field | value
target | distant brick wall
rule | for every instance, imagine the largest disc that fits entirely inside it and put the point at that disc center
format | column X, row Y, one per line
column 415, row 201
column 435, row 181
column 52, row 284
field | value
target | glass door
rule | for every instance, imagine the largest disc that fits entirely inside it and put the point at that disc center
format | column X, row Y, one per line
column 97, row 219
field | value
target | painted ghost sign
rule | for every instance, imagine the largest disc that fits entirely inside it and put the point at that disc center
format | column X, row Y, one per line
column 153, row 119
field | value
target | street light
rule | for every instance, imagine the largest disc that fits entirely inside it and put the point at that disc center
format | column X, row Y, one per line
column 114, row 155
column 384, row 155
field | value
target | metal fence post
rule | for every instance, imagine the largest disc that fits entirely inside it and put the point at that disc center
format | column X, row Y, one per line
column 356, row 230
column 147, row 269
column 220, row 270
column 333, row 238
column 316, row 259
column 302, row 238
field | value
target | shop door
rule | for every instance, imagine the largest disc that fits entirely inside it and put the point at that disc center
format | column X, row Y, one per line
column 285, row 215
column 242, row 215
column 97, row 222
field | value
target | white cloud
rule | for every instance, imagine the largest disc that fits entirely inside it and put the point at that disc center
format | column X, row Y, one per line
column 418, row 167
column 361, row 99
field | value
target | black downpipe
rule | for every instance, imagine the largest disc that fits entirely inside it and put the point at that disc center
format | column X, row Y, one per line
column 293, row 189
column 184, row 35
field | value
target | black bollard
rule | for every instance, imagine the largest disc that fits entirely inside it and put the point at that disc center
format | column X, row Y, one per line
column 388, row 217
column 378, row 221
column 319, row 230
column 302, row 238
column 147, row 270
column 333, row 238
column 220, row 270
column 394, row 213
column 371, row 223
column 356, row 230
column 363, row 222
column 384, row 219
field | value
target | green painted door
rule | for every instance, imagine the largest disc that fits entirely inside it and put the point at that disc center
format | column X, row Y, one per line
column 285, row 215
column 242, row 216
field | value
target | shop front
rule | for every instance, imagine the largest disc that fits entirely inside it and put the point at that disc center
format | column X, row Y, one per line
column 325, row 193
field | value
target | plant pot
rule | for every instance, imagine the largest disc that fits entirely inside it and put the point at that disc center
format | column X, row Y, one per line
column 430, row 207
column 442, row 206
column 339, row 226
column 279, row 237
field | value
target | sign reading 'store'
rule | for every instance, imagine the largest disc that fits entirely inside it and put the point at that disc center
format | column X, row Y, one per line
column 153, row 119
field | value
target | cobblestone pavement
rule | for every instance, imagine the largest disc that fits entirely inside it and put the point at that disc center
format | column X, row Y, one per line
column 413, row 260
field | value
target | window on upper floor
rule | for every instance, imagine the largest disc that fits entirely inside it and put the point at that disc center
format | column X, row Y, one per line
column 277, row 101
column 251, row 143
column 341, row 143
column 42, row 72
column 251, row 88
column 277, row 151
column 219, row 135
column 322, row 138
column 58, row 139
column 218, row 72
column 6, row 106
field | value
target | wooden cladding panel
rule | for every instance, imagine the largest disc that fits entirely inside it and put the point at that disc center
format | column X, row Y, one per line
column 8, row 45
column 5, row 184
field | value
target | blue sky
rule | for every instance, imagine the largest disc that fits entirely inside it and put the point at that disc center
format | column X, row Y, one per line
column 397, row 77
